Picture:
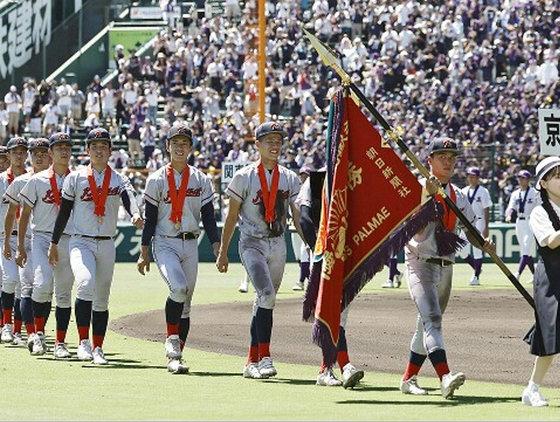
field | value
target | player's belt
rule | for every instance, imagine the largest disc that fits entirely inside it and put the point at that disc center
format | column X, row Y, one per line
column 186, row 236
column 521, row 218
column 14, row 233
column 440, row 262
column 94, row 237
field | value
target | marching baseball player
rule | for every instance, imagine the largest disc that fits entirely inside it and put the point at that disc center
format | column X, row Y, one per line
column 41, row 198
column 4, row 164
column 177, row 197
column 17, row 151
column 429, row 273
column 38, row 149
column 395, row 276
column 350, row 374
column 521, row 203
column 479, row 198
column 94, row 194
column 260, row 195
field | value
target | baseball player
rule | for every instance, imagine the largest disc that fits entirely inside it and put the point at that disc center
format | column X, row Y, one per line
column 301, row 249
column 429, row 274
column 4, row 164
column 177, row 197
column 38, row 149
column 479, row 198
column 17, row 151
column 41, row 198
column 260, row 195
column 521, row 203
column 94, row 194
column 395, row 276
column 350, row 374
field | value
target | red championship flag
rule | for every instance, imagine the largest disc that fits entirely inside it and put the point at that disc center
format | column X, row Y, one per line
column 371, row 198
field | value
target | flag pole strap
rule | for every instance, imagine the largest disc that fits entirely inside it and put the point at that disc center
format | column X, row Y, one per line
column 330, row 59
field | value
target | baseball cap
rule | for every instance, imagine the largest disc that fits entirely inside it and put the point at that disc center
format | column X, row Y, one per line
column 3, row 150
column 270, row 127
column 544, row 167
column 59, row 138
column 180, row 130
column 35, row 143
column 305, row 170
column 443, row 144
column 524, row 173
column 474, row 171
column 98, row 134
column 18, row 141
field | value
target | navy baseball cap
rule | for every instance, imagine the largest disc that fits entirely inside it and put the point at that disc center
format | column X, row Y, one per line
column 473, row 171
column 59, row 138
column 443, row 144
column 18, row 141
column 270, row 127
column 98, row 134
column 524, row 173
column 180, row 130
column 35, row 143
column 3, row 150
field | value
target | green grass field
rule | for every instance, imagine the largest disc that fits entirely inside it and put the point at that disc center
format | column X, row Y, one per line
column 136, row 385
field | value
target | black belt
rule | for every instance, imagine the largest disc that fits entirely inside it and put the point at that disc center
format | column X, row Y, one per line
column 14, row 233
column 95, row 237
column 186, row 236
column 440, row 262
column 521, row 218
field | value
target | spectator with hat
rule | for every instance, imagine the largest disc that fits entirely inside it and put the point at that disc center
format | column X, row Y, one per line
column 479, row 198
column 521, row 203
column 13, row 103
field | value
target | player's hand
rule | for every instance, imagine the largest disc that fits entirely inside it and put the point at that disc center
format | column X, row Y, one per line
column 222, row 262
column 21, row 257
column 7, row 250
column 143, row 263
column 488, row 245
column 53, row 254
column 137, row 221
column 432, row 185
column 508, row 219
column 216, row 248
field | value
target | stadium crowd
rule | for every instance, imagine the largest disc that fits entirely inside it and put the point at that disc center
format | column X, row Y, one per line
column 473, row 70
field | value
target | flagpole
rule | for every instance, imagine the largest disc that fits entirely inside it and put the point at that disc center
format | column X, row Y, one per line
column 330, row 59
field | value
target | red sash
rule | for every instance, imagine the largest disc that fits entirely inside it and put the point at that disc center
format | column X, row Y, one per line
column 449, row 218
column 269, row 197
column 54, row 186
column 11, row 177
column 99, row 198
column 177, row 197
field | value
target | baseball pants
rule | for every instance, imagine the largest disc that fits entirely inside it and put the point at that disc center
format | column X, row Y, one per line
column 48, row 279
column 177, row 261
column 93, row 264
column 429, row 286
column 468, row 248
column 15, row 279
column 264, row 260
column 524, row 237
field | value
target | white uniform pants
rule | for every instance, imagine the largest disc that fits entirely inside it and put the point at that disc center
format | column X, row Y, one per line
column 177, row 261
column 429, row 286
column 524, row 237
column 468, row 248
column 93, row 264
column 15, row 279
column 48, row 279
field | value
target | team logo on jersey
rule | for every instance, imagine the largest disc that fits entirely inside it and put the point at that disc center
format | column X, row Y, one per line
column 284, row 194
column 48, row 198
column 190, row 192
column 88, row 197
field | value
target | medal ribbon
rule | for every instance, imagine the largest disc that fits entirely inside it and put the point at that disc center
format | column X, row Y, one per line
column 177, row 197
column 11, row 177
column 54, row 186
column 269, row 197
column 471, row 197
column 449, row 218
column 523, row 201
column 99, row 198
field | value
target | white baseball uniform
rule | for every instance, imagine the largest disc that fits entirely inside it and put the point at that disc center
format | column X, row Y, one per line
column 480, row 200
column 177, row 258
column 38, row 195
column 523, row 202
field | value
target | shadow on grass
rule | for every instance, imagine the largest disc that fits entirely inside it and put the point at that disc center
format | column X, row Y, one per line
column 461, row 400
column 215, row 374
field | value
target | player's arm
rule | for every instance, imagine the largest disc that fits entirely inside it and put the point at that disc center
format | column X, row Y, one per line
column 21, row 255
column 131, row 206
column 59, row 225
column 307, row 226
column 486, row 231
column 143, row 263
column 510, row 209
column 296, row 217
column 227, row 233
column 9, row 223
column 210, row 226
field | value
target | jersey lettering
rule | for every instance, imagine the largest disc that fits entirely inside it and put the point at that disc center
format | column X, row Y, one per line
column 190, row 192
column 88, row 197
column 258, row 198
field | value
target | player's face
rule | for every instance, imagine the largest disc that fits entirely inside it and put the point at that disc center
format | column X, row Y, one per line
column 179, row 148
column 40, row 159
column 523, row 182
column 472, row 179
column 99, row 152
column 270, row 146
column 4, row 163
column 60, row 153
column 443, row 165
column 18, row 155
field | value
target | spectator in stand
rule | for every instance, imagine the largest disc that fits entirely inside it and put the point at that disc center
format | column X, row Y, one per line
column 148, row 139
column 28, row 96
column 133, row 138
column 108, row 103
column 92, row 101
column 13, row 105
column 63, row 93
column 77, row 103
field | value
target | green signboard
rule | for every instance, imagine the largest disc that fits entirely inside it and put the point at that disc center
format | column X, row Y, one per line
column 129, row 38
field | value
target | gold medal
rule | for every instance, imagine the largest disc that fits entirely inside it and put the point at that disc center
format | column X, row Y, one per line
column 177, row 225
column 100, row 220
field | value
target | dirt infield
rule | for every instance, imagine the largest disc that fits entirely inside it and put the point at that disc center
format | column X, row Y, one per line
column 483, row 331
